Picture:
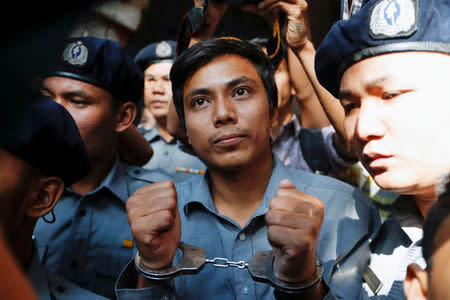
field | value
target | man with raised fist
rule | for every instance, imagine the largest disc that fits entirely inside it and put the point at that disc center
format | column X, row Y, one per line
column 247, row 201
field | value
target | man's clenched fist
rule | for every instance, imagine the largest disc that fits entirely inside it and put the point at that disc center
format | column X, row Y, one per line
column 155, row 223
column 293, row 226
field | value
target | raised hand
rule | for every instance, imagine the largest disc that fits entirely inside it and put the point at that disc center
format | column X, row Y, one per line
column 293, row 225
column 155, row 223
column 296, row 11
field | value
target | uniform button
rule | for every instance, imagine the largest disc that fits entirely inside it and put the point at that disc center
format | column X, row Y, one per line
column 137, row 172
column 60, row 289
column 74, row 264
column 245, row 290
column 82, row 212
column 165, row 297
column 242, row 236
column 166, row 153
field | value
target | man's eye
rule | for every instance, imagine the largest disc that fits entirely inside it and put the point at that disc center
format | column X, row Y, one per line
column 349, row 107
column 78, row 102
column 390, row 95
column 198, row 102
column 241, row 91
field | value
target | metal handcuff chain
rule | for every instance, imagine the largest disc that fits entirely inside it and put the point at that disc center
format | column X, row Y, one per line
column 260, row 267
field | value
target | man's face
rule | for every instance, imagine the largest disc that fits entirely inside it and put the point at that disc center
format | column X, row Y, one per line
column 92, row 109
column 14, row 191
column 397, row 110
column 283, row 81
column 158, row 89
column 227, row 113
column 439, row 276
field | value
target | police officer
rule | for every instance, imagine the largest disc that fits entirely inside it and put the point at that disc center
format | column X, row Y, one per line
column 155, row 61
column 40, row 152
column 90, row 241
column 389, row 67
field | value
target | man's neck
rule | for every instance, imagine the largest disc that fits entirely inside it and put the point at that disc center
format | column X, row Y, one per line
column 237, row 194
column 100, row 170
column 284, row 116
column 161, row 125
column 424, row 200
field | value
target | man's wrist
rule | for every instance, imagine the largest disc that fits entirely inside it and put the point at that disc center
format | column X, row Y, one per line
column 319, row 291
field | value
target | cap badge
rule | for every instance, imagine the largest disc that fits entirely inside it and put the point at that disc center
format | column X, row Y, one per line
column 76, row 53
column 393, row 19
column 163, row 49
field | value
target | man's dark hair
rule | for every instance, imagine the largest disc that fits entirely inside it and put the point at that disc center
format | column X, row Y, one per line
column 200, row 54
column 439, row 211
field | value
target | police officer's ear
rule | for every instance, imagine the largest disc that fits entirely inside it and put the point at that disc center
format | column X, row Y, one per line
column 126, row 114
column 416, row 283
column 48, row 190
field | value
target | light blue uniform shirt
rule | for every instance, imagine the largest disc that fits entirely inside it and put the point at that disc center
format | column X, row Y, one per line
column 89, row 244
column 350, row 220
column 49, row 286
column 168, row 156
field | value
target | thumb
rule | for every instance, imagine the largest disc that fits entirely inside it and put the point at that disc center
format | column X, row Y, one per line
column 286, row 184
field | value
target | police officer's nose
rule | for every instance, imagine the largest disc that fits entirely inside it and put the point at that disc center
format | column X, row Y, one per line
column 369, row 125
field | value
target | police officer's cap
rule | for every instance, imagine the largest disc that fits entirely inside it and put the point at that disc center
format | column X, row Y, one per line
column 381, row 27
column 44, row 134
column 163, row 51
column 100, row 62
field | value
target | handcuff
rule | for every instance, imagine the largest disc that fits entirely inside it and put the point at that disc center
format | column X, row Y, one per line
column 260, row 267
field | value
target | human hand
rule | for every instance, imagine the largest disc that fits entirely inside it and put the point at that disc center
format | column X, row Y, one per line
column 293, row 226
column 213, row 12
column 155, row 223
column 296, row 12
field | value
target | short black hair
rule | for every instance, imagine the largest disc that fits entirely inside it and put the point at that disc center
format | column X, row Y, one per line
column 439, row 211
column 200, row 54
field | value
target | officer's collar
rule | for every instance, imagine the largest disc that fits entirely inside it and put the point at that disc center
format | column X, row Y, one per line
column 115, row 181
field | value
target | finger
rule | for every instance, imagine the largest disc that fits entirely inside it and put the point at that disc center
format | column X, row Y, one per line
column 294, row 220
column 165, row 184
column 160, row 222
column 146, row 209
column 151, row 196
column 286, row 184
column 297, row 197
column 294, row 241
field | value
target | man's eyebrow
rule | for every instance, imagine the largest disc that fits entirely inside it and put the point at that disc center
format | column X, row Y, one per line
column 239, row 80
column 231, row 83
column 46, row 89
column 198, row 91
column 377, row 82
column 344, row 94
column 370, row 85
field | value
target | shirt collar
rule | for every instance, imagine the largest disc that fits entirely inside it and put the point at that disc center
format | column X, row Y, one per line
column 115, row 181
column 203, row 193
column 404, row 214
column 151, row 134
column 154, row 134
column 291, row 128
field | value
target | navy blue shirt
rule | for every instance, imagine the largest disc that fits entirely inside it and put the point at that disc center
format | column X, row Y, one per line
column 343, row 248
column 90, row 241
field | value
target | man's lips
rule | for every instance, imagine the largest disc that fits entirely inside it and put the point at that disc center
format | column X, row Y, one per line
column 377, row 160
column 158, row 102
column 230, row 139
